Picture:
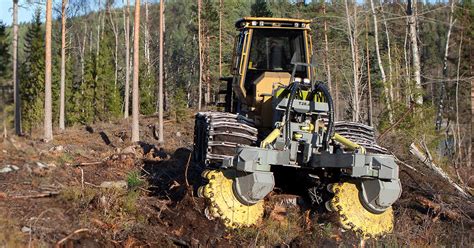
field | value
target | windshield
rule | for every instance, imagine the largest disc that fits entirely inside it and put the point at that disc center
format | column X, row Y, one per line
column 275, row 49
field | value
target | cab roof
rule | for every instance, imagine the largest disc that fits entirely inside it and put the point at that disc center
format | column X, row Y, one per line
column 241, row 22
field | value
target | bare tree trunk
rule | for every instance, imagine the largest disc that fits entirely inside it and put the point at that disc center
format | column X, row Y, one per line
column 147, row 39
column 115, row 30
column 442, row 88
column 63, row 64
column 16, row 85
column 126, row 12
column 381, row 68
column 389, row 54
column 200, row 55
column 407, row 69
column 326, row 50
column 221, row 6
column 369, row 85
column 207, row 63
column 355, row 63
column 82, row 52
column 458, row 129
column 48, row 120
column 136, row 64
column 160, row 89
column 418, row 97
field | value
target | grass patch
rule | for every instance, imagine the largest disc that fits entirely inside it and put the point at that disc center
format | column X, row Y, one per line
column 134, row 180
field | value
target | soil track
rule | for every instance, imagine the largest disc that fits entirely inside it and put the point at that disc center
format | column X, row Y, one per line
column 55, row 197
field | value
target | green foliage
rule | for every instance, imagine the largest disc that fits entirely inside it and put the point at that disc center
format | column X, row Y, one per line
column 4, row 52
column 417, row 125
column 260, row 9
column 32, row 75
column 147, row 91
column 179, row 105
column 134, row 180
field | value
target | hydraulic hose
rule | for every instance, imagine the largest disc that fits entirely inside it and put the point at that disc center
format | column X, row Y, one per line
column 320, row 87
column 293, row 89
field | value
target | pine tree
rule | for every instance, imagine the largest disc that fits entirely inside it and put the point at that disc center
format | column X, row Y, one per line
column 86, row 93
column 4, row 54
column 108, row 103
column 147, row 96
column 260, row 9
column 32, row 75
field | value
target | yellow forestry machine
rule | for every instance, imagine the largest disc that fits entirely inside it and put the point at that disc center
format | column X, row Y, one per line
column 278, row 129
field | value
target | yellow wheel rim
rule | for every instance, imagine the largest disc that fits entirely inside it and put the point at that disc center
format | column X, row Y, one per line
column 354, row 216
column 223, row 202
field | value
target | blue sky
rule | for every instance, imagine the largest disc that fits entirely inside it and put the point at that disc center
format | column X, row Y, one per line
column 26, row 10
column 25, row 14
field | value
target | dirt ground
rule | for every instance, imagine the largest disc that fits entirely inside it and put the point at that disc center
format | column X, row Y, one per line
column 91, row 187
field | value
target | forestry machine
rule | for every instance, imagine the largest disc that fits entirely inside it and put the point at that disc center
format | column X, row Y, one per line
column 278, row 130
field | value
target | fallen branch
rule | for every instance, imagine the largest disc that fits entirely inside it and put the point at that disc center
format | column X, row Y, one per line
column 427, row 160
column 41, row 195
column 186, row 171
column 438, row 208
column 89, row 163
column 58, row 244
column 407, row 165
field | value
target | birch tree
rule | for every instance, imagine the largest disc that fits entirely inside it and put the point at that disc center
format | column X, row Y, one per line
column 63, row 64
column 352, row 35
column 418, row 96
column 136, row 64
column 116, row 40
column 380, row 63
column 442, row 88
column 48, row 122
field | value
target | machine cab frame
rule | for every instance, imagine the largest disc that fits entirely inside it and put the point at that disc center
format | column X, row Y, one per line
column 263, row 54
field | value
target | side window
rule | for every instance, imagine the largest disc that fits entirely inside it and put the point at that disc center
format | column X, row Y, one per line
column 239, row 40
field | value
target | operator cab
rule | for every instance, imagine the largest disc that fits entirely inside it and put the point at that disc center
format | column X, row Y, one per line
column 264, row 52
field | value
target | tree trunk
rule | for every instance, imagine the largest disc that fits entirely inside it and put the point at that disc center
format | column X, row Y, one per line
column 380, row 63
column 147, row 39
column 16, row 85
column 407, row 69
column 114, row 29
column 207, row 62
column 160, row 89
column 126, row 13
column 355, row 63
column 418, row 96
column 326, row 50
column 442, row 88
column 136, row 64
column 221, row 6
column 458, row 129
column 63, row 64
column 200, row 55
column 48, row 120
column 369, row 85
column 389, row 54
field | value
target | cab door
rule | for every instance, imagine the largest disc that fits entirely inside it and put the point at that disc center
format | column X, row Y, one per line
column 239, row 64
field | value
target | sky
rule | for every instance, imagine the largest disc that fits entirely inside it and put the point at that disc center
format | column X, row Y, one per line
column 26, row 11
column 24, row 14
